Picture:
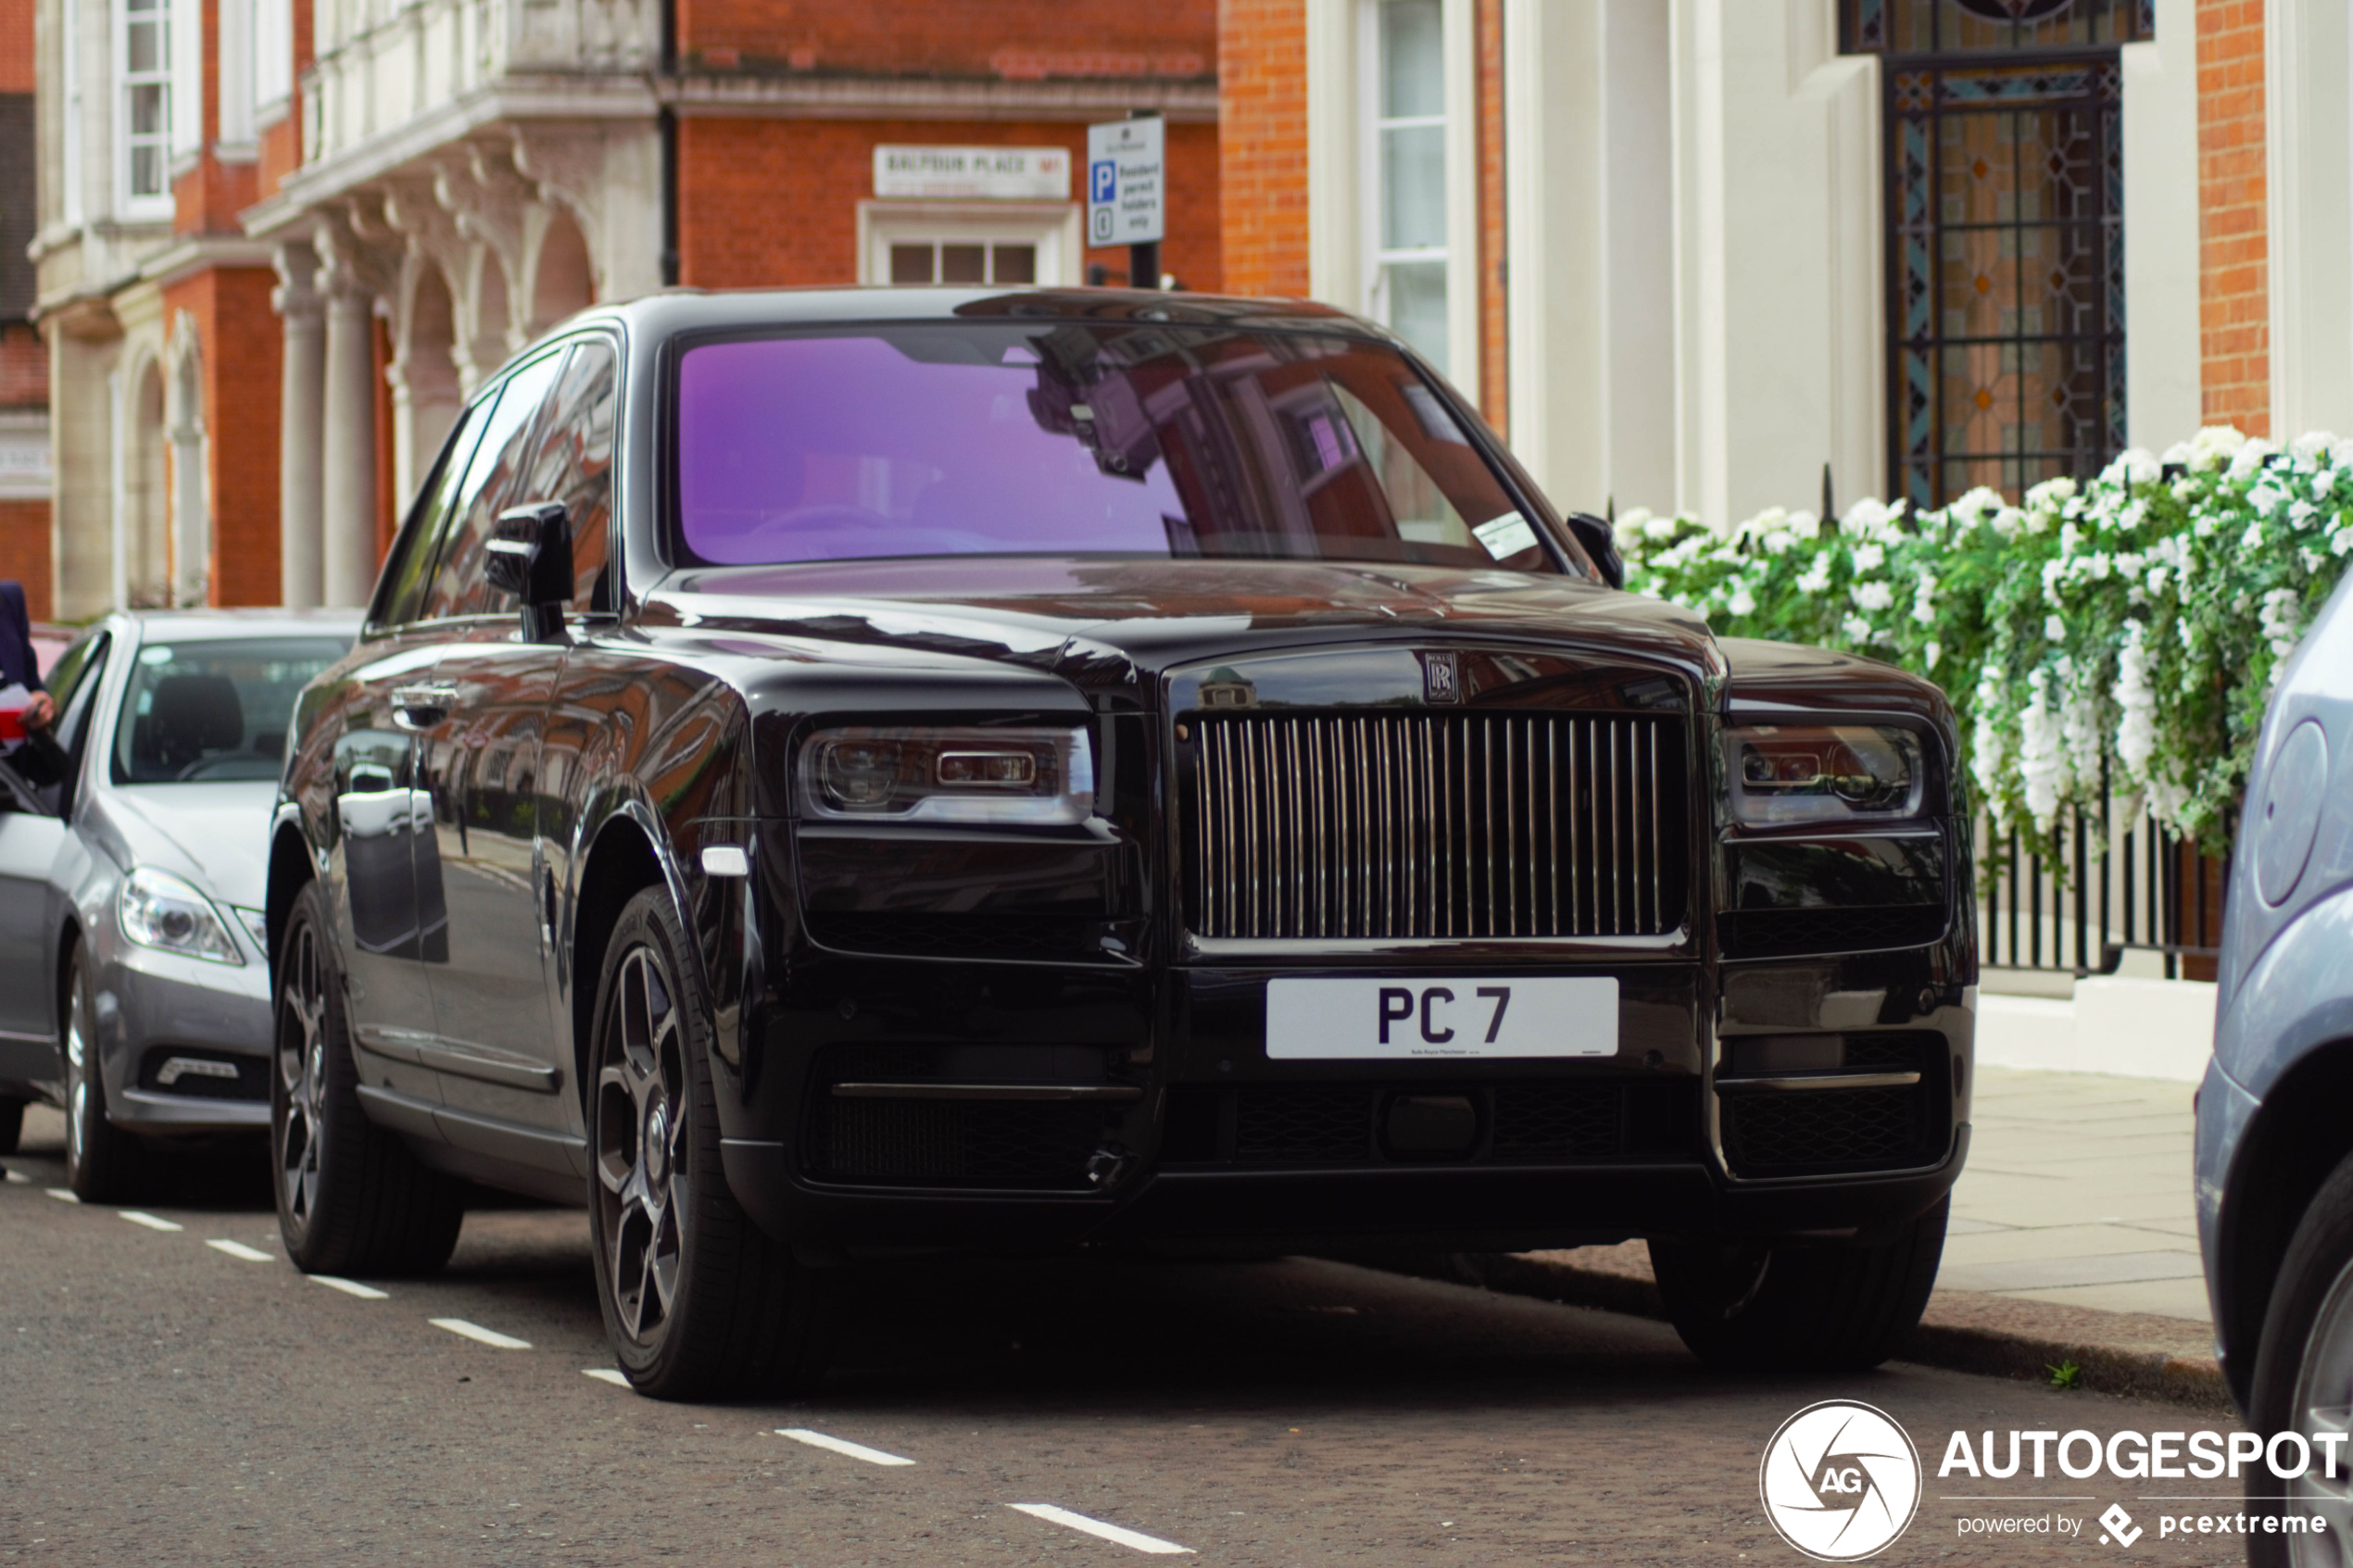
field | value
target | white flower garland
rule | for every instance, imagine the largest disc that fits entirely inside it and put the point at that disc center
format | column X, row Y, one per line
column 2116, row 634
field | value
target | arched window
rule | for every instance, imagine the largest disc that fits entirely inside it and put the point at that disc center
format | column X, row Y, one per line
column 2005, row 236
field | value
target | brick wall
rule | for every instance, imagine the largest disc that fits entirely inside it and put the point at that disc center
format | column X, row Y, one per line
column 952, row 38
column 24, row 552
column 2233, row 293
column 24, row 367
column 775, row 202
column 1494, row 320
column 16, row 45
column 1261, row 92
column 240, row 338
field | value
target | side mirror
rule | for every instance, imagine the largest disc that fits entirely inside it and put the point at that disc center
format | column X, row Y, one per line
column 1601, row 543
column 530, row 557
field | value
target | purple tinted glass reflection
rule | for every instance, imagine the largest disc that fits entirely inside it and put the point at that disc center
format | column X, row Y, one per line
column 824, row 449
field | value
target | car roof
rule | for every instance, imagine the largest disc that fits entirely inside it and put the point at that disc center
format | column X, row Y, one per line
column 689, row 309
column 207, row 625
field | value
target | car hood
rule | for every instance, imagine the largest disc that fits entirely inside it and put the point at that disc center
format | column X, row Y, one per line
column 1120, row 622
column 216, row 835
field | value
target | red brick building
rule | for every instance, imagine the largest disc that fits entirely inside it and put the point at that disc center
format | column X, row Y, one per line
column 24, row 365
column 279, row 248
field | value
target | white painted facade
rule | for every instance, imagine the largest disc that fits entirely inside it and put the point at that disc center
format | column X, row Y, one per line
column 1696, row 242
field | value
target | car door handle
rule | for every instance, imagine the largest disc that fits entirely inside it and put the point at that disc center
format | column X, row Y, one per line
column 416, row 709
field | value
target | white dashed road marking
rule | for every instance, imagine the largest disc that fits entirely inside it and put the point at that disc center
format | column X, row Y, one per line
column 149, row 1221
column 474, row 1331
column 840, row 1446
column 349, row 1287
column 64, row 1195
column 239, row 1249
column 1126, row 1537
column 604, row 1374
column 17, row 1179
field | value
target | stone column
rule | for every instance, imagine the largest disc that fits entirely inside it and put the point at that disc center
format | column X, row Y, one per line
column 425, row 401
column 299, row 407
column 191, row 531
column 348, row 417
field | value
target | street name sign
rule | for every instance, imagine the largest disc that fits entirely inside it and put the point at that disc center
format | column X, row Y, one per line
column 1126, row 179
column 969, row 173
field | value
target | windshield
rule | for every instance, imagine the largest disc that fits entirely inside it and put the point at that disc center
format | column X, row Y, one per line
column 206, row 712
column 1080, row 438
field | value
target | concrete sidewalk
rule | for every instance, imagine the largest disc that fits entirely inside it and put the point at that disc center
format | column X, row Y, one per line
column 2077, row 1193
column 2072, row 1239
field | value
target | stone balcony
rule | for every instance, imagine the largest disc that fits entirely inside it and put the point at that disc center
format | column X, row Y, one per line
column 396, row 78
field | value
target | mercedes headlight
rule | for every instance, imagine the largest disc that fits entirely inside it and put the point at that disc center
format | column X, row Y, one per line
column 166, row 912
column 1787, row 775
column 1028, row 776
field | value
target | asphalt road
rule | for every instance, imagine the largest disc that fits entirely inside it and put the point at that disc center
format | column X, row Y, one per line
column 166, row 1398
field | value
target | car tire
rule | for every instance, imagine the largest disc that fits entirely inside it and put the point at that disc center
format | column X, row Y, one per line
column 1810, row 1307
column 352, row 1198
column 2303, row 1361
column 102, row 1161
column 11, row 1125
column 697, row 1299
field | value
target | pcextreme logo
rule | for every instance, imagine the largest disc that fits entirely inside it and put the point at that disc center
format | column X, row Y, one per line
column 1840, row 1481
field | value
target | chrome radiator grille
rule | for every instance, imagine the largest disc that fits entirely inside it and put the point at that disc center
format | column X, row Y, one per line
column 1438, row 825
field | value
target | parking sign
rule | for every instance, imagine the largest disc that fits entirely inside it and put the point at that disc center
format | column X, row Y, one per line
column 1124, row 180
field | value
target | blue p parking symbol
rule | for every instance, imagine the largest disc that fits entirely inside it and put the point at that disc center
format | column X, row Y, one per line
column 1103, row 181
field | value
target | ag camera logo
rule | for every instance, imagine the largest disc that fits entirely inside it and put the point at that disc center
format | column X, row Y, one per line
column 1840, row 1481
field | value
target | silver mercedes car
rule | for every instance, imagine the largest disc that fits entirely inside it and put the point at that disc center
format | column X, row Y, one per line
column 134, row 979
column 2274, row 1139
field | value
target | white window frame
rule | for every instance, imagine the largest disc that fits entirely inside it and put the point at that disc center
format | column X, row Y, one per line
column 1053, row 227
column 1378, row 257
column 272, row 61
column 69, row 49
column 1343, row 171
column 133, row 204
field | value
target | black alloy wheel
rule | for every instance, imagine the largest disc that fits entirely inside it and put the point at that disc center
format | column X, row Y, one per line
column 696, row 1300
column 102, row 1161
column 1809, row 1307
column 351, row 1197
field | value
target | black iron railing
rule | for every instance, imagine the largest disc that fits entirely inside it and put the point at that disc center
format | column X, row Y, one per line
column 2114, row 888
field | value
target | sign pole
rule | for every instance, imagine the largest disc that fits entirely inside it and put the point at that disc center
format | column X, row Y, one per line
column 1143, row 256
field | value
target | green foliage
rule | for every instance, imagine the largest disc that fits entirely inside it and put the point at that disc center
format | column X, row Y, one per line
column 2067, row 1374
column 2128, row 630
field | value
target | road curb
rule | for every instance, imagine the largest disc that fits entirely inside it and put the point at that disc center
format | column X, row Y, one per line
column 1962, row 1331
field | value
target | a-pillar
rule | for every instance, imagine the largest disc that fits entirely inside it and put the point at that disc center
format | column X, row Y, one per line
column 348, row 415
column 300, row 405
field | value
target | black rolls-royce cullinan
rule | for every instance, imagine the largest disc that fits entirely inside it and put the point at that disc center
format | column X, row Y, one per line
column 833, row 773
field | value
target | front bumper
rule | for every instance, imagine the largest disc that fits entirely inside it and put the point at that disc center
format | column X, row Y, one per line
column 151, row 1006
column 1192, row 1043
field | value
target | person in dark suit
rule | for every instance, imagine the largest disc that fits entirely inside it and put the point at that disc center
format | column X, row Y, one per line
column 19, row 666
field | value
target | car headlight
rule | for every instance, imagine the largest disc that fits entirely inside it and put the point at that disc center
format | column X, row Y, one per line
column 1782, row 775
column 1031, row 776
column 165, row 912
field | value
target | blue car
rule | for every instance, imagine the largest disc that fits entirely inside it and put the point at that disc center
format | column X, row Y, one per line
column 2275, row 1115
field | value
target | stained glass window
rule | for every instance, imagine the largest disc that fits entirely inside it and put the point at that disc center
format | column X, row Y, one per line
column 2006, row 244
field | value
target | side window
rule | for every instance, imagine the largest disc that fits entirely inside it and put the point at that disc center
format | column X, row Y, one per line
column 402, row 594
column 573, row 464
column 74, row 686
column 492, row 478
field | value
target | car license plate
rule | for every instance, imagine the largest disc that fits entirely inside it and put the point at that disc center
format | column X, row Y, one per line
column 1382, row 1019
